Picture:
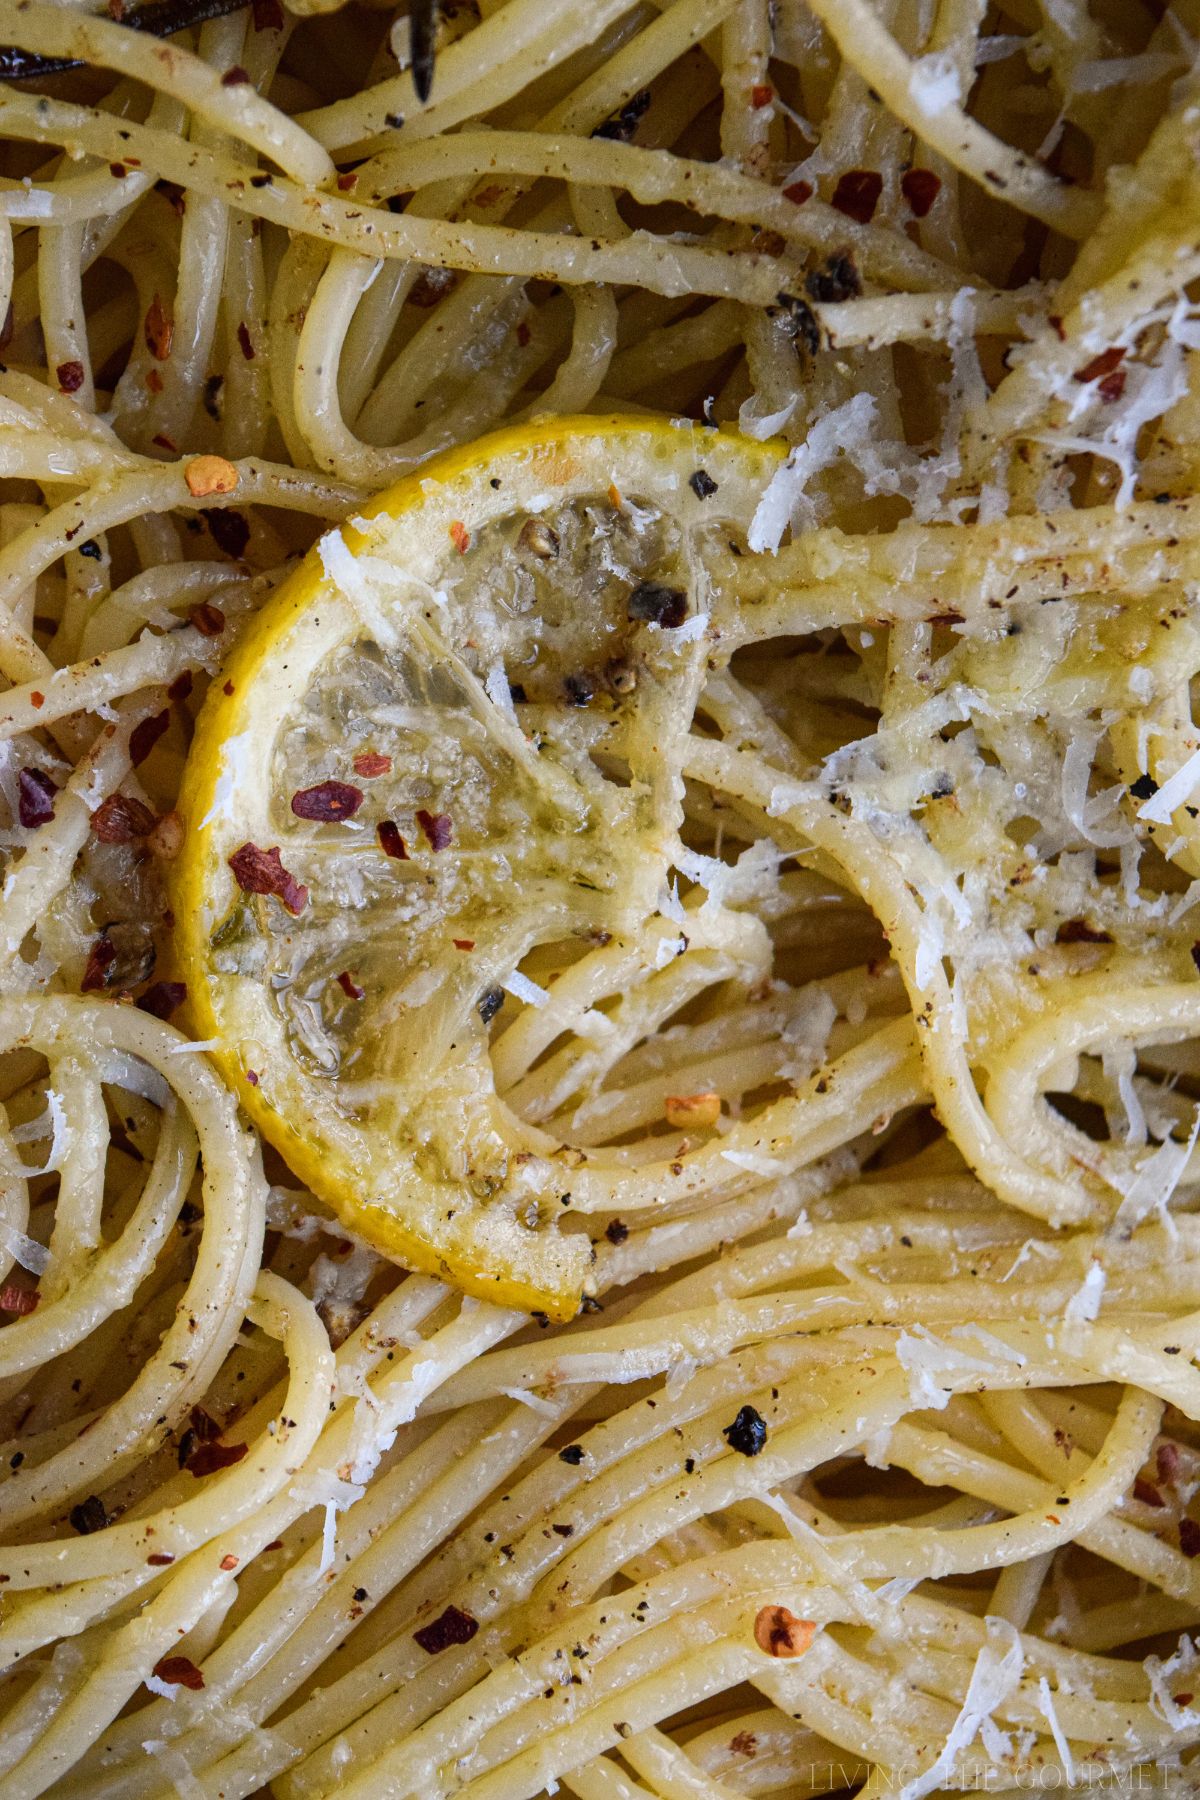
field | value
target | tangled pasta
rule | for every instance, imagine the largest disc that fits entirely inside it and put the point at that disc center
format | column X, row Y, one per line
column 870, row 1463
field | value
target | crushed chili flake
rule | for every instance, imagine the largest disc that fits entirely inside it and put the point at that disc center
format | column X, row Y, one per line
column 761, row 94
column 1113, row 386
column 744, row 1743
column 780, row 1633
column 460, row 536
column 1101, row 365
column 235, row 76
column 450, row 1627
column 70, row 377
column 1060, row 330
column 327, row 802
column 920, row 188
column 370, row 763
column 261, row 872
column 208, row 1458
column 347, row 182
column 181, row 687
column 857, row 194
column 96, row 970
column 89, row 1515
column 228, row 528
column 160, row 1559
column 245, row 343
column 159, row 330
column 437, row 827
column 1189, row 1537
column 349, row 986
column 614, row 495
column 164, row 442
column 207, row 475
column 700, row 1111
column 229, row 1562
column 523, row 334
column 37, row 700
column 1147, row 1493
column 163, row 998
column 1167, row 1461
column 154, row 381
column 463, row 943
column 390, row 841
column 145, row 735
column 748, row 1432
column 18, row 1300
column 798, row 192
column 616, row 1231
column 35, row 798
column 180, row 1671
column 208, row 619
column 121, row 818
column 252, row 1077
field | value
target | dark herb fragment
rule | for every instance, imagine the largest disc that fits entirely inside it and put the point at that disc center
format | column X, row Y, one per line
column 621, row 125
column 208, row 1458
column 489, row 1004
column 89, row 1515
column 230, row 530
column 572, row 1453
column 702, row 484
column 838, row 279
column 802, row 322
column 748, row 1433
column 658, row 604
column 1144, row 788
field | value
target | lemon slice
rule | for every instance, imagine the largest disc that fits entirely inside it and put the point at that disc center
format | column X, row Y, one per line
column 438, row 778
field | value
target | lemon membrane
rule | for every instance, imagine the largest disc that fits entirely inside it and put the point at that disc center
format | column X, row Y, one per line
column 448, row 752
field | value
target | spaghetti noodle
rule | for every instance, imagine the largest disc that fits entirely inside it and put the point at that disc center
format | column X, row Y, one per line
column 871, row 1462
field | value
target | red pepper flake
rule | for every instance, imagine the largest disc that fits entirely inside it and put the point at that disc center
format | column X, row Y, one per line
column 1167, row 1461
column 798, row 192
column 349, row 986
column 163, row 998
column 1147, row 1493
column 1113, row 386
column 390, row 841
column 145, row 735
column 70, row 377
column 857, row 194
column 160, row 330
column 920, row 188
column 451, row 1627
column 229, row 529
column 154, row 381
column 744, row 1744
column 100, row 959
column 347, row 183
column 121, row 818
column 261, row 872
column 160, row 1559
column 523, row 334
column 327, row 802
column 275, row 1544
column 211, row 1457
column 761, row 94
column 165, row 443
column 118, row 170
column 1184, row 1699
column 267, row 14
column 1101, row 365
column 180, row 1671
column 460, row 536
column 19, row 1300
column 463, row 943
column 208, row 619
column 36, row 700
column 234, row 76
column 35, row 798
column 243, row 338
column 437, row 827
column 370, row 763
column 1060, row 330
column 181, row 687
column 1189, row 1537
column 252, row 1077
column 229, row 1562
column 780, row 1633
